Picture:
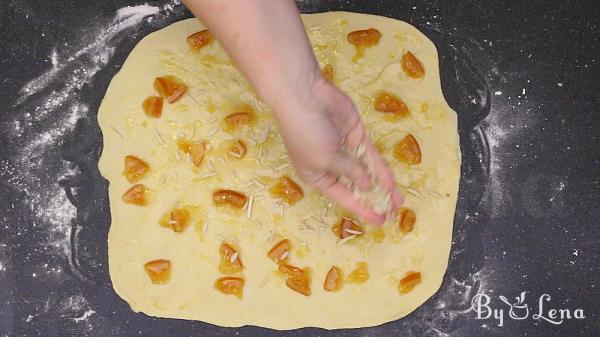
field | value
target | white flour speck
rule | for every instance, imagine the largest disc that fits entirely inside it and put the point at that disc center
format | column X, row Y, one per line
column 84, row 316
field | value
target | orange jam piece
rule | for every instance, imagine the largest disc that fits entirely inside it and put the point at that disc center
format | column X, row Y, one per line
column 287, row 190
column 300, row 282
column 408, row 282
column 230, row 198
column 280, row 252
column 407, row 220
column 327, row 72
column 196, row 150
column 135, row 169
column 407, row 150
column 136, row 195
column 360, row 274
column 290, row 270
column 412, row 66
column 153, row 106
column 238, row 149
column 178, row 220
column 333, row 280
column 238, row 120
column 199, row 39
column 159, row 271
column 347, row 227
column 231, row 262
column 390, row 103
column 362, row 39
column 170, row 87
column 230, row 285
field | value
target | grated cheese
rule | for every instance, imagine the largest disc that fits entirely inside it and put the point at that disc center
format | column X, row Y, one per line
column 208, row 175
column 117, row 132
column 158, row 137
column 264, row 135
column 249, row 208
column 352, row 231
column 284, row 255
column 414, row 192
column 192, row 99
column 269, row 235
column 281, row 167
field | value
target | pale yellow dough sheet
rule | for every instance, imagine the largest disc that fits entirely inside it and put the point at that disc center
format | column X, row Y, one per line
column 216, row 88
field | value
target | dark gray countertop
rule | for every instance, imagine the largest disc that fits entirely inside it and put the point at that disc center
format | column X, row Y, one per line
column 523, row 77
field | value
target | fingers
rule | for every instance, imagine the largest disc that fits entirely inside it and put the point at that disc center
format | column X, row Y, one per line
column 385, row 175
column 343, row 165
column 339, row 193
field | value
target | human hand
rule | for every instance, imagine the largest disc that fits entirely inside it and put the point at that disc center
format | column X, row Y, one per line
column 319, row 131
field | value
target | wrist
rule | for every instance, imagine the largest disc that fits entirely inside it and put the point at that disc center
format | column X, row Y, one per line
column 297, row 91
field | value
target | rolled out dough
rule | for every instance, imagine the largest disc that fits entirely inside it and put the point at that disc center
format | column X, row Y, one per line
column 216, row 89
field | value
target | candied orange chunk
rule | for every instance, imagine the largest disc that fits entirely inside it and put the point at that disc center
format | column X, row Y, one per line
column 407, row 150
column 280, row 252
column 199, row 39
column 159, row 271
column 153, row 106
column 412, row 66
column 407, row 219
column 231, row 262
column 362, row 39
column 347, row 227
column 136, row 195
column 300, row 282
column 230, row 285
column 408, row 282
column 327, row 72
column 178, row 220
column 290, row 270
column 196, row 150
column 229, row 197
column 237, row 120
column 238, row 149
column 360, row 274
column 287, row 190
column 333, row 280
column 135, row 168
column 170, row 87
column 390, row 103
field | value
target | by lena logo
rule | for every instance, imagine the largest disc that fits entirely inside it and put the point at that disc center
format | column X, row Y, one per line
column 519, row 310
